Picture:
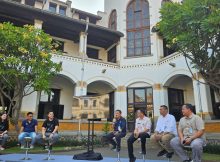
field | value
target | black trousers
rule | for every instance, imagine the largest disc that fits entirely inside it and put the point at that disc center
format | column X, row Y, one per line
column 118, row 137
column 132, row 139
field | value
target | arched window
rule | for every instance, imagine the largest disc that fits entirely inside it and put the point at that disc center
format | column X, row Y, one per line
column 138, row 29
column 113, row 20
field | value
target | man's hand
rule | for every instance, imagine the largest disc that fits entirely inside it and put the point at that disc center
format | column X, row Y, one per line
column 158, row 137
column 187, row 141
column 51, row 135
column 43, row 136
column 136, row 134
column 1, row 135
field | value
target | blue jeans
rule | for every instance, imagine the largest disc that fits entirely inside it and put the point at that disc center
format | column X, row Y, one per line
column 26, row 134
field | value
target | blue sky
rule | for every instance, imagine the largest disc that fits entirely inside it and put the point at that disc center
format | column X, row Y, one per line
column 91, row 6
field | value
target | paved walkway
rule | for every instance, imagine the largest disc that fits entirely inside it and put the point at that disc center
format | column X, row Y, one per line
column 60, row 158
column 106, row 152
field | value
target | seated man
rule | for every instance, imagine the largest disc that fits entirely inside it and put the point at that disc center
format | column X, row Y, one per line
column 28, row 129
column 191, row 132
column 119, row 126
column 164, row 132
column 142, row 131
column 4, row 125
column 49, row 130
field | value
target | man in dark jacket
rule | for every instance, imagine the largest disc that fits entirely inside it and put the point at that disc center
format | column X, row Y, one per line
column 119, row 131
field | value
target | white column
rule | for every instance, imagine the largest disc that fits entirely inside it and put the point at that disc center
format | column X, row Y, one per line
column 58, row 9
column 164, row 96
column 30, row 103
column 22, row 1
column 38, row 24
column 82, row 43
column 157, row 101
column 121, row 100
column 80, row 89
column 202, row 97
column 46, row 6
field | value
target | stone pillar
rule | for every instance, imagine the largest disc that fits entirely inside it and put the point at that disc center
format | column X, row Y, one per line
column 80, row 89
column 164, row 96
column 22, row 1
column 82, row 43
column 157, row 98
column 121, row 99
column 68, row 9
column 30, row 104
column 203, row 101
column 58, row 9
column 46, row 5
column 38, row 24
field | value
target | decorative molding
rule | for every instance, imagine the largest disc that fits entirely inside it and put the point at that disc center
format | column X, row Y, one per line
column 121, row 89
column 164, row 60
column 87, row 60
column 81, row 84
column 157, row 86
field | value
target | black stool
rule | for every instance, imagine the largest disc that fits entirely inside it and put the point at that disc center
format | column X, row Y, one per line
column 48, row 147
column 27, row 147
column 168, row 159
column 143, row 155
column 188, row 150
column 118, row 150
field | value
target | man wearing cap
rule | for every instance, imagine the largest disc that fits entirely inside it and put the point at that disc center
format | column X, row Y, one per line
column 191, row 133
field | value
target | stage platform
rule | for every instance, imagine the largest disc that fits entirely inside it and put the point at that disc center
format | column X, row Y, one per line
column 60, row 158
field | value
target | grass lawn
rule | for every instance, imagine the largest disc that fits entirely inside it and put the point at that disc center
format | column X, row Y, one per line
column 211, row 157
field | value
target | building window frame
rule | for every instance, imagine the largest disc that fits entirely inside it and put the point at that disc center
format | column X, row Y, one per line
column 53, row 7
column 62, row 10
column 113, row 20
column 138, row 28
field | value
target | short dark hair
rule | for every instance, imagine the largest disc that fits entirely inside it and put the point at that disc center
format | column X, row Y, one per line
column 50, row 112
column 30, row 113
column 118, row 111
column 142, row 112
column 2, row 113
column 164, row 106
column 189, row 106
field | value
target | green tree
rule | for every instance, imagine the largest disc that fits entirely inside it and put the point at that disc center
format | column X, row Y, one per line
column 25, row 64
column 193, row 26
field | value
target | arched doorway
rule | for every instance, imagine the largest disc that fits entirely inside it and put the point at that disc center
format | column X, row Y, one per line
column 59, row 100
column 180, row 91
column 98, row 103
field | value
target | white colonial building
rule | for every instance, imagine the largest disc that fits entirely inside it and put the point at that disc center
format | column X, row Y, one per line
column 125, row 65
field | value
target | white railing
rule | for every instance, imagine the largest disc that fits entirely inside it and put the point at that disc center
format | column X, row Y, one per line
column 87, row 61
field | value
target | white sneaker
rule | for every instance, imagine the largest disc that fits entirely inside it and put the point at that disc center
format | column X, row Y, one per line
column 2, row 148
column 22, row 146
column 31, row 146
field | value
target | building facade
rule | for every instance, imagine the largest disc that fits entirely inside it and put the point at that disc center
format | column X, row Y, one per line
column 124, row 65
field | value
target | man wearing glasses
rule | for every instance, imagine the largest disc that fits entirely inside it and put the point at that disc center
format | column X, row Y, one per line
column 28, row 129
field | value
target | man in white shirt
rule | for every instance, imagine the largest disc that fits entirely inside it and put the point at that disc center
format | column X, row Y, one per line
column 164, row 132
column 142, row 131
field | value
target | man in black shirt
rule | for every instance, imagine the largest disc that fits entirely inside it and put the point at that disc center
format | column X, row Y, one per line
column 49, row 130
column 119, row 126
column 4, row 125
